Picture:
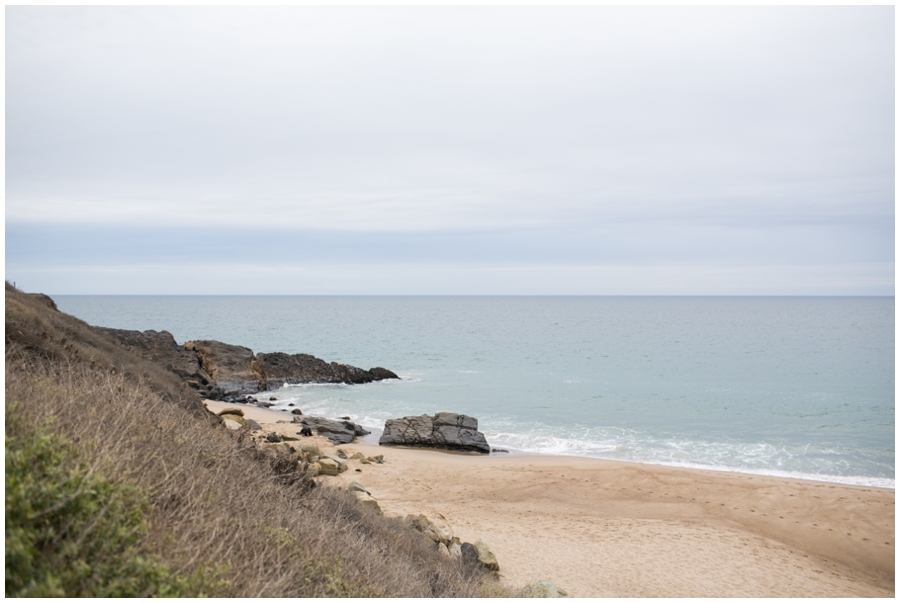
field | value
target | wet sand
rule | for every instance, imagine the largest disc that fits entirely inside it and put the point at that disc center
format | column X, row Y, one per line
column 609, row 529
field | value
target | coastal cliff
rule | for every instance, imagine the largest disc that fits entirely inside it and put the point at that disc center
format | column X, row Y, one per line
column 222, row 371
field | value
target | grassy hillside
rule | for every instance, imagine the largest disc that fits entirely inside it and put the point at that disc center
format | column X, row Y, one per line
column 120, row 483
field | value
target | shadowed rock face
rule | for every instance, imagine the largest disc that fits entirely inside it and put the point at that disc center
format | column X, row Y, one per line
column 232, row 367
column 160, row 347
column 279, row 368
column 222, row 371
column 446, row 430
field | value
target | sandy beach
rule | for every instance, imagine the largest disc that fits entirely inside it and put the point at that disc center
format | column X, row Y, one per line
column 608, row 529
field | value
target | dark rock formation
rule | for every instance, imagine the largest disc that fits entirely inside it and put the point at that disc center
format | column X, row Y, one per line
column 380, row 374
column 445, row 430
column 221, row 371
column 469, row 552
column 279, row 368
column 160, row 348
column 337, row 432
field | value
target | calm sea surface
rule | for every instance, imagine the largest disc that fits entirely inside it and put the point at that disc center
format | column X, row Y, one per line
column 800, row 387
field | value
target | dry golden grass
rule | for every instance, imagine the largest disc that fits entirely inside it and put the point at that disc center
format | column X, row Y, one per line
column 215, row 498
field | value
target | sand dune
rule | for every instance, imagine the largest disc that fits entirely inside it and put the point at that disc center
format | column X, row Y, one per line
column 608, row 529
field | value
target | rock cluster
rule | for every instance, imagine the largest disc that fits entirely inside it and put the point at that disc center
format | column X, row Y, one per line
column 221, row 371
column 446, row 430
column 436, row 528
column 318, row 463
column 160, row 348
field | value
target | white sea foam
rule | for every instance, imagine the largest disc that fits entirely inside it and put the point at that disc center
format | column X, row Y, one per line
column 757, row 458
column 749, row 458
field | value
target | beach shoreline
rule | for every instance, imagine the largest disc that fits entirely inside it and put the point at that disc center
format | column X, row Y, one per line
column 600, row 528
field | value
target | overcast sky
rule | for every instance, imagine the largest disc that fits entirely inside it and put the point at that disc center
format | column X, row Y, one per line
column 450, row 150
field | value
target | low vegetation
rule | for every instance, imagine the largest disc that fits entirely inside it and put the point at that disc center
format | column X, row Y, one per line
column 119, row 483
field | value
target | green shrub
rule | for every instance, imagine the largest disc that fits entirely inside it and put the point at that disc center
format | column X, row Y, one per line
column 70, row 532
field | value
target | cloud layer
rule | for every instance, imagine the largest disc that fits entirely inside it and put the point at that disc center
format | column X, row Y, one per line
column 708, row 138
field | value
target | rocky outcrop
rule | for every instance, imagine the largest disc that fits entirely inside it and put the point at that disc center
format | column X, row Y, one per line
column 280, row 368
column 445, row 430
column 436, row 528
column 221, row 371
column 160, row 348
column 230, row 366
column 337, row 432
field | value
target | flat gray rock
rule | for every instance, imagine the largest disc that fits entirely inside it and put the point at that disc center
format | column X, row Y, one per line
column 337, row 432
column 445, row 430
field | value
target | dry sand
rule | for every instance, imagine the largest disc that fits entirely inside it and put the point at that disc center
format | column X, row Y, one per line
column 608, row 529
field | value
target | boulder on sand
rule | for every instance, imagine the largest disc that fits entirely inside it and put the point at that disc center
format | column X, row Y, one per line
column 342, row 466
column 445, row 430
column 368, row 501
column 239, row 419
column 329, row 466
column 357, row 487
column 543, row 589
column 433, row 525
column 310, row 450
column 338, row 432
column 486, row 557
column 231, row 410
column 230, row 424
column 364, row 497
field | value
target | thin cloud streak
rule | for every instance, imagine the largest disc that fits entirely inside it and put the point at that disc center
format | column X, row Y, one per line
column 271, row 278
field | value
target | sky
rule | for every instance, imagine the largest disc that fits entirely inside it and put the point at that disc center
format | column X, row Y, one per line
column 417, row 150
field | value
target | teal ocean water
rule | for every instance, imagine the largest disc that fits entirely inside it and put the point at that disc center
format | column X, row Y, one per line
column 785, row 386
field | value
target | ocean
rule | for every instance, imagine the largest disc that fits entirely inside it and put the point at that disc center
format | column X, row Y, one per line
column 784, row 386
